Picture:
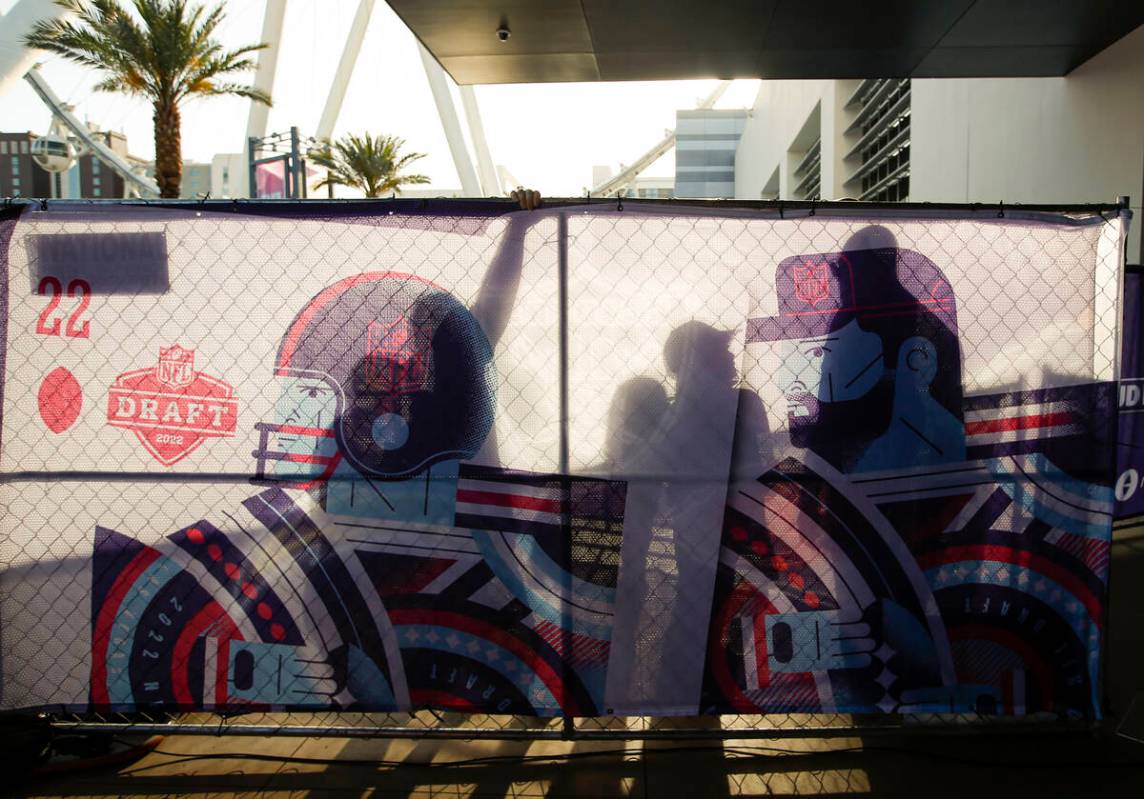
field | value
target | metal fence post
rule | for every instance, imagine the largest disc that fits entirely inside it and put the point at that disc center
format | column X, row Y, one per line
column 569, row 729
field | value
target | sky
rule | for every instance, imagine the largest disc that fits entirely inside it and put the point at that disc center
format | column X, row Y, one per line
column 549, row 136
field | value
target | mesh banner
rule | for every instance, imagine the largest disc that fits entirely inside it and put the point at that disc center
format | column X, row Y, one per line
column 588, row 460
column 1130, row 499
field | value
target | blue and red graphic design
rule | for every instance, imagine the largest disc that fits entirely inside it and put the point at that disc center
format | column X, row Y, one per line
column 425, row 581
column 925, row 551
column 871, row 365
column 194, row 623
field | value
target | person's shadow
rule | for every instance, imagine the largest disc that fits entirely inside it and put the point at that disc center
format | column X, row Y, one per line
column 677, row 457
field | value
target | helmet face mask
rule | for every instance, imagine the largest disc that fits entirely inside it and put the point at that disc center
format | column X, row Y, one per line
column 384, row 371
column 300, row 447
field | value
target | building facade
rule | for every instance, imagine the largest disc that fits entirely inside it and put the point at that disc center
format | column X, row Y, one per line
column 196, row 180
column 19, row 174
column 1075, row 139
column 705, row 144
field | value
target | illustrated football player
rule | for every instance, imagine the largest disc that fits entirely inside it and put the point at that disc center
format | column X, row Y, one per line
column 871, row 371
column 872, row 366
column 387, row 384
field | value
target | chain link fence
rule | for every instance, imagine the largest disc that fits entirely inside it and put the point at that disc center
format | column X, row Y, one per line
column 603, row 470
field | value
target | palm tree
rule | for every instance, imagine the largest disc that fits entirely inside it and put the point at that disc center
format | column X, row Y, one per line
column 164, row 52
column 370, row 163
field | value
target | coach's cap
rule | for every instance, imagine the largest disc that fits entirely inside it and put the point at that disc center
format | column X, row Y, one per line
column 694, row 339
column 871, row 277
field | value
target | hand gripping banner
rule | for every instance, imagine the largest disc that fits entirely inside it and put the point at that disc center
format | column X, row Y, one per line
column 587, row 460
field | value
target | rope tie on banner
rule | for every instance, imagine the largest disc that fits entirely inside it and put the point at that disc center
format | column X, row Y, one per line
column 619, row 202
column 204, row 198
column 1001, row 210
column 811, row 209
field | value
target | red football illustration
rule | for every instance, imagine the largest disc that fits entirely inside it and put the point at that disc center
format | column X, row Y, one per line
column 61, row 399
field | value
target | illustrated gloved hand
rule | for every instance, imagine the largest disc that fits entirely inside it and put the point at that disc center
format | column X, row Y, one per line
column 817, row 641
column 274, row 674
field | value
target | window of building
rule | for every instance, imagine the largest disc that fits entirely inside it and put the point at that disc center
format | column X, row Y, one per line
column 3, row 148
column 808, row 174
column 882, row 128
column 95, row 166
column 15, row 165
column 24, row 147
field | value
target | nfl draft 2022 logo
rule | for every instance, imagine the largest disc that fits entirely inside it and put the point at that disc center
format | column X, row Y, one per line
column 172, row 408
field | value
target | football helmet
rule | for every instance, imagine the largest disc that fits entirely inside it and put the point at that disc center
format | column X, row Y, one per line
column 384, row 370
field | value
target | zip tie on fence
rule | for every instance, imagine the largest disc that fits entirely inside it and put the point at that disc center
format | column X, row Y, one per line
column 781, row 210
column 204, row 198
column 619, row 202
column 811, row 209
column 1001, row 210
column 43, row 203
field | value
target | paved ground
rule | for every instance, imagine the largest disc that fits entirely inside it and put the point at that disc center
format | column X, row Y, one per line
column 1082, row 767
column 977, row 767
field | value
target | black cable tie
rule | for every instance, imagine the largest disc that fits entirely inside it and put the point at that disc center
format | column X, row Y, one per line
column 1001, row 210
column 619, row 202
column 781, row 210
column 204, row 198
column 44, row 204
column 811, row 210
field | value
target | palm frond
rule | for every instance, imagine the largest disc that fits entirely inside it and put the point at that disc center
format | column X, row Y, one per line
column 371, row 164
column 165, row 51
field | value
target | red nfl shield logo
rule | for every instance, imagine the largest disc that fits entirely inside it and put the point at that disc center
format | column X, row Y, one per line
column 395, row 356
column 171, row 408
column 176, row 366
column 812, row 283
